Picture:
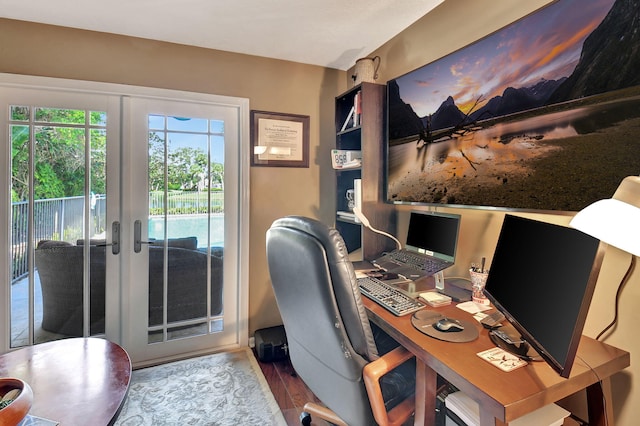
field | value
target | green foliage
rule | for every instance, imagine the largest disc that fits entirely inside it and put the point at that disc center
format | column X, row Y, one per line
column 186, row 167
column 72, row 234
column 59, row 159
column 156, row 162
column 186, row 202
column 62, row 149
column 50, row 185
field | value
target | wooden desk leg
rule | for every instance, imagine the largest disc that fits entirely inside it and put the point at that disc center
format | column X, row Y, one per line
column 599, row 402
column 426, row 389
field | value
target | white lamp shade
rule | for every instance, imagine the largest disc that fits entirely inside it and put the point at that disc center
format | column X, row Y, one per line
column 613, row 222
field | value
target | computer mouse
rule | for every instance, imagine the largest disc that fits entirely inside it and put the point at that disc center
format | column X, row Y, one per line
column 447, row 325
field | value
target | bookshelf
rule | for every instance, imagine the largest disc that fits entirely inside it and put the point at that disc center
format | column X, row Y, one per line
column 360, row 126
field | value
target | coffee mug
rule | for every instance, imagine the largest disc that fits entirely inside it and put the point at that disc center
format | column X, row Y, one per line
column 478, row 281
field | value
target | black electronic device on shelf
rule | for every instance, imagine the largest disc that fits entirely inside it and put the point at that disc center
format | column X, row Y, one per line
column 542, row 278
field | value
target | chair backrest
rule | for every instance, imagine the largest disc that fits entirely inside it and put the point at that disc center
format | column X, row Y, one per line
column 328, row 333
column 186, row 284
column 60, row 270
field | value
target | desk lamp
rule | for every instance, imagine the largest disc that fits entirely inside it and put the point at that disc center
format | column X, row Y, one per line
column 615, row 221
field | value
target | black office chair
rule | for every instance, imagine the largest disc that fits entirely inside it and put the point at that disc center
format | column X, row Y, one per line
column 332, row 345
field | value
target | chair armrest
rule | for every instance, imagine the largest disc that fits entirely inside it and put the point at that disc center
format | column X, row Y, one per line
column 372, row 374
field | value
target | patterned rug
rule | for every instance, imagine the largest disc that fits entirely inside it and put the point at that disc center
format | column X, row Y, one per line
column 225, row 389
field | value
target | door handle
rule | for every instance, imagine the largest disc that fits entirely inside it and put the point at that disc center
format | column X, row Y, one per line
column 115, row 238
column 137, row 236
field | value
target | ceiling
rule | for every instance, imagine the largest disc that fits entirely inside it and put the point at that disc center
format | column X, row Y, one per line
column 329, row 33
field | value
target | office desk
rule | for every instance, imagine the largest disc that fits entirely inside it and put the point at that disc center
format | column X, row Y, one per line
column 502, row 396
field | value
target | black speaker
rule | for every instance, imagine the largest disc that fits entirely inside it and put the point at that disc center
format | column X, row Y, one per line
column 271, row 344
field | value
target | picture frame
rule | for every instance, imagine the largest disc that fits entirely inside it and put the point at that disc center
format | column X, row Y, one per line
column 279, row 139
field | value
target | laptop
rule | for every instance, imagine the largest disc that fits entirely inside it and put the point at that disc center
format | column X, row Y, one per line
column 430, row 247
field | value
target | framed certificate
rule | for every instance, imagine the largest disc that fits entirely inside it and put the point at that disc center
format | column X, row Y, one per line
column 279, row 140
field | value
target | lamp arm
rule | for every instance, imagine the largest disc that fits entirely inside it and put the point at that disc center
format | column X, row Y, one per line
column 365, row 222
column 632, row 265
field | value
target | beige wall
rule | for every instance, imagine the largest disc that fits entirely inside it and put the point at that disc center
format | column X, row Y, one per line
column 451, row 26
column 270, row 85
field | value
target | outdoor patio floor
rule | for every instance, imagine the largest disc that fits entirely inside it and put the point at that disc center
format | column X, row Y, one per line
column 20, row 317
column 20, row 314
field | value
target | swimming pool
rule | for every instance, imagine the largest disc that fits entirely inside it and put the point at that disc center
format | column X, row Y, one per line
column 190, row 226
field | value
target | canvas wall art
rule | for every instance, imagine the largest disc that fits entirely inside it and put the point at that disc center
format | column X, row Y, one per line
column 541, row 115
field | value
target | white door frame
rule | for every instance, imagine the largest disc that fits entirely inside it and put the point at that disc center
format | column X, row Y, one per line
column 116, row 314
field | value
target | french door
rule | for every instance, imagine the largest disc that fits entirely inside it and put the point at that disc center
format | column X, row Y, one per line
column 182, row 155
column 55, row 197
column 125, row 219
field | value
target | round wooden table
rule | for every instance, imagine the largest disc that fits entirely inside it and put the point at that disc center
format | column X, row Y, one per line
column 74, row 381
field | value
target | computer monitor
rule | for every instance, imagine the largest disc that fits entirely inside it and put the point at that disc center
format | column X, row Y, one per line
column 435, row 234
column 542, row 277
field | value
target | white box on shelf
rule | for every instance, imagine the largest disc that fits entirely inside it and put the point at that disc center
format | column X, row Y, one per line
column 345, row 159
column 357, row 195
column 468, row 411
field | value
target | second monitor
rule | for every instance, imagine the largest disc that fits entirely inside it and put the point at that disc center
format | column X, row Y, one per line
column 431, row 243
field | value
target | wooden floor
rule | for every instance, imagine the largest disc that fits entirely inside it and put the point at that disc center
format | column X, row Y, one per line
column 289, row 391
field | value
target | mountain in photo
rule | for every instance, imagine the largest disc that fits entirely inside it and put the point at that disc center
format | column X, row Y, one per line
column 516, row 100
column 610, row 60
column 403, row 121
column 447, row 115
column 610, row 57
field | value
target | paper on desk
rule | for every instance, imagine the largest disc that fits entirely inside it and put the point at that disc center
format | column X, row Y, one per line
column 472, row 307
column 361, row 274
column 479, row 316
column 502, row 359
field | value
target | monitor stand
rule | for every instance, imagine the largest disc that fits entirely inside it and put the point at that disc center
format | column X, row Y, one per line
column 456, row 288
column 519, row 347
column 412, row 288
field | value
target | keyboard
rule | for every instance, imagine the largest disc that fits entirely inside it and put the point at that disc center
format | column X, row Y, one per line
column 388, row 297
column 415, row 261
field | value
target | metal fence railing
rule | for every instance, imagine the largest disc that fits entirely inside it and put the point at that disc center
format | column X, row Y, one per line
column 54, row 219
column 186, row 202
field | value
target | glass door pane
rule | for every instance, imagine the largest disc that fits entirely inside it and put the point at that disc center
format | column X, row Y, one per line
column 58, row 203
column 185, row 226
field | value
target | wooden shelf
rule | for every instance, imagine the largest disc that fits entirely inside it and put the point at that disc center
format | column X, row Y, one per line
column 368, row 137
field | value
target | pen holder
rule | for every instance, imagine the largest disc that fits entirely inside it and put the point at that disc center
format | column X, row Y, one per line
column 478, row 281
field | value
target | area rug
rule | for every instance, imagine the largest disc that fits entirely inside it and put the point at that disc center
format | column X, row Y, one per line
column 225, row 389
